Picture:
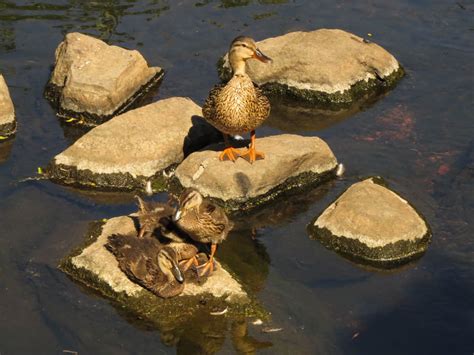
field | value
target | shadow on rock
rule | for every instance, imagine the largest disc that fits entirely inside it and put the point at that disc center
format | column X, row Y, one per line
column 5, row 150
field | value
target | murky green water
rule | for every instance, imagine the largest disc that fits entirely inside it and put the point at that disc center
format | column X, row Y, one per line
column 419, row 137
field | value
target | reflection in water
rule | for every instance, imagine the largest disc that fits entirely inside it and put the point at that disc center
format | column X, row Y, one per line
column 5, row 150
column 77, row 15
column 295, row 117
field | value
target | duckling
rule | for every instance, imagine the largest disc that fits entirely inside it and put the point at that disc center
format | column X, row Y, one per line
column 204, row 222
column 238, row 106
column 151, row 264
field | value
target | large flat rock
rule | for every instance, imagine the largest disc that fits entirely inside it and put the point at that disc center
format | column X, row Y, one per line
column 93, row 81
column 328, row 67
column 93, row 265
column 290, row 162
column 372, row 224
column 7, row 111
column 135, row 147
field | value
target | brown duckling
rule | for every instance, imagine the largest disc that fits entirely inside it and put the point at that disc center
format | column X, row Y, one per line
column 149, row 263
column 238, row 106
column 203, row 221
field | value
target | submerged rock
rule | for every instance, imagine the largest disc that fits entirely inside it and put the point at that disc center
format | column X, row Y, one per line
column 7, row 111
column 135, row 147
column 93, row 81
column 371, row 224
column 328, row 67
column 290, row 161
column 97, row 268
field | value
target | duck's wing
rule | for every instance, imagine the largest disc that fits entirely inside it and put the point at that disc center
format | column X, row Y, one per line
column 209, row 107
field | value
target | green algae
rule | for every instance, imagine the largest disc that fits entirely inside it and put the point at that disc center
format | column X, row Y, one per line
column 386, row 257
column 171, row 313
column 323, row 100
column 8, row 130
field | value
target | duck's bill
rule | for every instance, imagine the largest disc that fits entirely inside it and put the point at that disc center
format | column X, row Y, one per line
column 177, row 215
column 262, row 57
column 178, row 275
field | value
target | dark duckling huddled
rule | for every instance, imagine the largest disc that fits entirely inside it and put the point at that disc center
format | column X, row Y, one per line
column 151, row 264
column 238, row 107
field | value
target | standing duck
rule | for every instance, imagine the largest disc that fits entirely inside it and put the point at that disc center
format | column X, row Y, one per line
column 204, row 222
column 238, row 107
column 151, row 264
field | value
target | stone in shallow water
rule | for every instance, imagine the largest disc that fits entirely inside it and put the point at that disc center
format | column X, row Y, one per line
column 290, row 161
column 7, row 111
column 372, row 224
column 94, row 81
column 328, row 67
column 97, row 268
column 135, row 147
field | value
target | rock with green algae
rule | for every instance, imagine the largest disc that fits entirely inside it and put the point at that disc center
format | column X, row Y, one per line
column 373, row 225
column 93, row 265
column 291, row 161
column 93, row 81
column 134, row 148
column 7, row 111
column 327, row 67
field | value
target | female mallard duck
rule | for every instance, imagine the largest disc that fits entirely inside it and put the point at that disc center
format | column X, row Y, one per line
column 238, row 106
column 203, row 221
column 151, row 264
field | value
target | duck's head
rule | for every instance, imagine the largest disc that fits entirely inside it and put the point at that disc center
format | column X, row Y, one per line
column 168, row 263
column 242, row 49
column 190, row 199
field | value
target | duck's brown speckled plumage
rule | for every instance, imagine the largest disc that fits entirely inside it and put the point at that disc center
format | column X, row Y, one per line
column 140, row 258
column 236, row 107
column 204, row 223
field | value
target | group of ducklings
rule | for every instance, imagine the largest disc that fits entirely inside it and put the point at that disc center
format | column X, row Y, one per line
column 162, row 267
column 234, row 108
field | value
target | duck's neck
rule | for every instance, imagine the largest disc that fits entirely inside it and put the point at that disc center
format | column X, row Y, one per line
column 237, row 64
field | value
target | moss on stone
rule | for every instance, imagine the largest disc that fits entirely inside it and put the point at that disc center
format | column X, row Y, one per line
column 389, row 256
column 53, row 93
column 163, row 313
column 8, row 129
column 71, row 175
column 292, row 184
column 323, row 100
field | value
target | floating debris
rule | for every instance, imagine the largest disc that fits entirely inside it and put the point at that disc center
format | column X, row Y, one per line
column 271, row 330
column 257, row 322
column 40, row 170
column 355, row 335
column 219, row 313
column 341, row 169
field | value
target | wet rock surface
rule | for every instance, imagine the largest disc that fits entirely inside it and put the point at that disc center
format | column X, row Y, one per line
column 93, row 81
column 290, row 162
column 371, row 224
column 7, row 111
column 134, row 148
column 93, row 265
column 327, row 67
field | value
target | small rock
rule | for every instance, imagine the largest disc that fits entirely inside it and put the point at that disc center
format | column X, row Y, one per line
column 93, row 81
column 328, row 67
column 290, row 161
column 135, row 147
column 97, row 268
column 7, row 111
column 372, row 224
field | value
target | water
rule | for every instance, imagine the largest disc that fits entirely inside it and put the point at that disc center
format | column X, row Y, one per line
column 419, row 137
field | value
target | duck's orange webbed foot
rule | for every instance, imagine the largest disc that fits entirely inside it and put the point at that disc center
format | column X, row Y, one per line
column 206, row 269
column 230, row 154
column 186, row 263
column 252, row 155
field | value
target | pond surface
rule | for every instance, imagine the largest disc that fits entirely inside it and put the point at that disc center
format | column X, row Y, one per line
column 419, row 137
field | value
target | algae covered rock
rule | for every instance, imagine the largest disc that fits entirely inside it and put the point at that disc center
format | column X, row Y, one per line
column 291, row 161
column 93, row 81
column 135, row 147
column 371, row 224
column 93, row 265
column 7, row 111
column 327, row 67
